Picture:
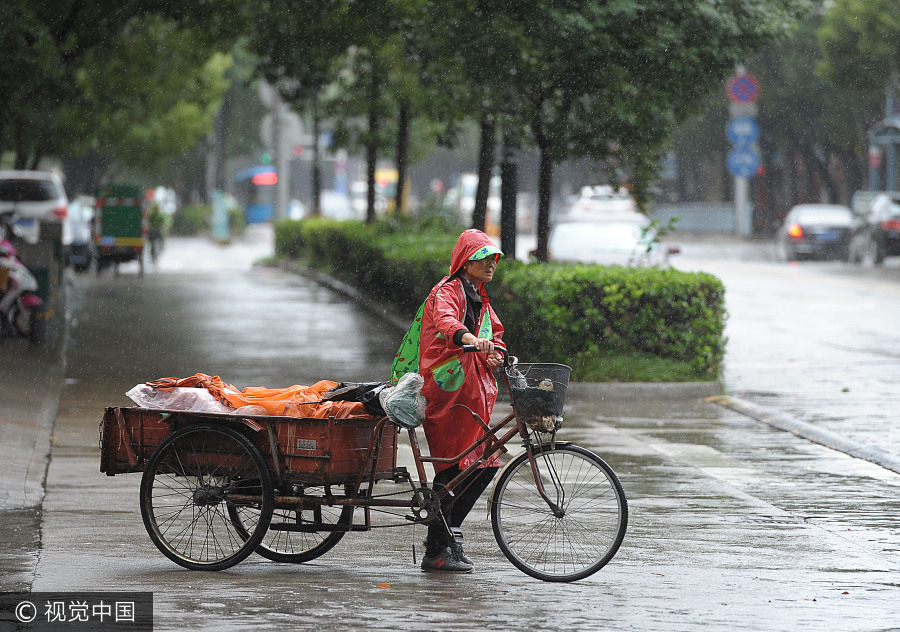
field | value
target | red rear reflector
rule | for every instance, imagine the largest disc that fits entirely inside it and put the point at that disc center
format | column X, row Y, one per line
column 794, row 230
column 891, row 224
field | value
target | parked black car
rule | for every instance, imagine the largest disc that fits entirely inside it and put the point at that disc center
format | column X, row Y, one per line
column 878, row 235
column 816, row 231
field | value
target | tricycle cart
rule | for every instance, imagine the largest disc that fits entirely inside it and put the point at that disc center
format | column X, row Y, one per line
column 120, row 226
column 217, row 487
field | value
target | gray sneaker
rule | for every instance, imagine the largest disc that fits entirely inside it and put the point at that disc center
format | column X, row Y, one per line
column 445, row 562
column 456, row 545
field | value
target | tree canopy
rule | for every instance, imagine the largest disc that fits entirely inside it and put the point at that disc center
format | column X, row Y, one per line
column 603, row 79
column 860, row 41
column 606, row 80
column 138, row 80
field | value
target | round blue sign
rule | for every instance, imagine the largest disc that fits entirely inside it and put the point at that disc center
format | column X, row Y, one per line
column 743, row 162
column 742, row 131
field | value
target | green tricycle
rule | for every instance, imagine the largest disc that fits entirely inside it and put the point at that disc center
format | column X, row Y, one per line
column 120, row 226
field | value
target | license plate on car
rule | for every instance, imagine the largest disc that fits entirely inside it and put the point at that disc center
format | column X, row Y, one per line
column 830, row 235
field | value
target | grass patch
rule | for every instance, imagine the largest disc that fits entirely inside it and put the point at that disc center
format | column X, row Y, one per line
column 625, row 366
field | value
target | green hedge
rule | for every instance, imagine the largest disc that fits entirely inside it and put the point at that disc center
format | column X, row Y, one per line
column 552, row 312
column 191, row 220
column 562, row 311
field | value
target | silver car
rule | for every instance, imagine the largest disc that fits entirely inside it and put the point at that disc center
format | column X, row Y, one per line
column 611, row 239
column 32, row 196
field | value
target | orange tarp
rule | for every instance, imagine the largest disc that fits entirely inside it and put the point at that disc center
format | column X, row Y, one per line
column 293, row 401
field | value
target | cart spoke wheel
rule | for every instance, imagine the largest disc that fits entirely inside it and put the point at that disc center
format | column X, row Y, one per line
column 297, row 536
column 188, row 491
column 581, row 535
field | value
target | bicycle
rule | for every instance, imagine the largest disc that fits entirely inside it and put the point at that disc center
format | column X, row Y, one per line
column 216, row 487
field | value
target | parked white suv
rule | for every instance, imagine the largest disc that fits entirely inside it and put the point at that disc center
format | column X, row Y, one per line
column 33, row 196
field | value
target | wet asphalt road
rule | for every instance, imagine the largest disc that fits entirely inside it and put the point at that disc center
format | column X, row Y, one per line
column 817, row 340
column 733, row 525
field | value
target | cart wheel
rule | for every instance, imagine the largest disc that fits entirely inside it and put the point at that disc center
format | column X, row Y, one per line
column 296, row 536
column 582, row 536
column 190, row 486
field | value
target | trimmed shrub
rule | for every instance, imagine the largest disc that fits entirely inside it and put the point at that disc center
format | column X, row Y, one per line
column 561, row 311
column 191, row 220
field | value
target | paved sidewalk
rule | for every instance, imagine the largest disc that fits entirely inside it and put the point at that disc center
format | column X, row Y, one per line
column 30, row 385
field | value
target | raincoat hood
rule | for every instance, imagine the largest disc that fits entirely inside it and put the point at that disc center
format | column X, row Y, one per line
column 470, row 242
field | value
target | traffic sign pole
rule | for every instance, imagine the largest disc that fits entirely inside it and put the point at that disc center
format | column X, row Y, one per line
column 743, row 132
column 742, row 216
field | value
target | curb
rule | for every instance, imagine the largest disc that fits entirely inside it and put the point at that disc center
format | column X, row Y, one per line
column 642, row 391
column 612, row 391
column 809, row 431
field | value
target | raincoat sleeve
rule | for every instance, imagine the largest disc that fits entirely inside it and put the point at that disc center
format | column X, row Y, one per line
column 449, row 309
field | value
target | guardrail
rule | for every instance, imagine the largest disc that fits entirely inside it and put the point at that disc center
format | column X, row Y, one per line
column 699, row 217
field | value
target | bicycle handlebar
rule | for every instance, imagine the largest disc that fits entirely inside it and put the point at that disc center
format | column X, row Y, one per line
column 501, row 349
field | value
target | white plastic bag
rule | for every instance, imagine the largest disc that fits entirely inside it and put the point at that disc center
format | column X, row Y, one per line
column 177, row 398
column 404, row 403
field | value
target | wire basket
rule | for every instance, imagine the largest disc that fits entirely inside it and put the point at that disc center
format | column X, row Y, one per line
column 539, row 394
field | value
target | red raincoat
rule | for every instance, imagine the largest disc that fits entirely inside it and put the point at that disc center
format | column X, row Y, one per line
column 453, row 377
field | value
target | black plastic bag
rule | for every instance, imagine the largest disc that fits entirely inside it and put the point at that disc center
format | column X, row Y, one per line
column 363, row 392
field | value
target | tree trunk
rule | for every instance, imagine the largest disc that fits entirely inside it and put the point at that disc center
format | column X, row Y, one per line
column 220, row 131
column 509, row 185
column 84, row 172
column 316, row 167
column 36, row 160
column 820, row 168
column 545, row 182
column 402, row 155
column 485, row 166
column 371, row 149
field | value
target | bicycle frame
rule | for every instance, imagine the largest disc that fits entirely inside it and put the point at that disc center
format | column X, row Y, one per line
column 497, row 447
column 494, row 444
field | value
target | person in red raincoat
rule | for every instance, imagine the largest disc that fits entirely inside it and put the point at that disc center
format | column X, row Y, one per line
column 456, row 313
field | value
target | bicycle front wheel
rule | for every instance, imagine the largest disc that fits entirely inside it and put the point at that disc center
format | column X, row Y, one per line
column 581, row 535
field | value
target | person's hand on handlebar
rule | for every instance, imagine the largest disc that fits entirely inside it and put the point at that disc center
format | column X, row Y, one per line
column 485, row 345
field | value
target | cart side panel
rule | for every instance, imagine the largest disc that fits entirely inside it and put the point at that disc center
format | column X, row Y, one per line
column 334, row 451
column 128, row 436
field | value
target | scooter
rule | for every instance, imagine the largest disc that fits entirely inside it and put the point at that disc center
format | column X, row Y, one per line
column 18, row 301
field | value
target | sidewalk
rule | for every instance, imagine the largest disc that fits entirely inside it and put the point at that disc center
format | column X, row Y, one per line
column 30, row 386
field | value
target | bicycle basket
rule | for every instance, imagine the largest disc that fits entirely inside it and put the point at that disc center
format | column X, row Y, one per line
column 539, row 394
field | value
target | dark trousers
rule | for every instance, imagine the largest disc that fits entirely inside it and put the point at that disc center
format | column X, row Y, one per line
column 455, row 507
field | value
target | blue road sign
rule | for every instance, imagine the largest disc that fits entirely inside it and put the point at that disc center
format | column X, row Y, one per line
column 742, row 131
column 743, row 162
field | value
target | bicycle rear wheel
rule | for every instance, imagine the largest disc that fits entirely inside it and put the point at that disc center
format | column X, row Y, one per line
column 191, row 485
column 296, row 536
column 570, row 544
